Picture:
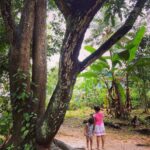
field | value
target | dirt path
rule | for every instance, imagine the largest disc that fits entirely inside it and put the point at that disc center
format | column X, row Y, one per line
column 115, row 139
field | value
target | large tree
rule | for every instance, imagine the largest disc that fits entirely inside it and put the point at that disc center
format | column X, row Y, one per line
column 33, row 126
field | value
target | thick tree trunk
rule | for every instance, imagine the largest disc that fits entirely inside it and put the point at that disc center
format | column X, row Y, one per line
column 39, row 67
column 77, row 24
column 68, row 70
column 19, row 66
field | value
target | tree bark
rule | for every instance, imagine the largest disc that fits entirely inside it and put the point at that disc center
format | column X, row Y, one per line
column 19, row 65
column 39, row 66
column 68, row 71
column 6, row 12
column 58, row 105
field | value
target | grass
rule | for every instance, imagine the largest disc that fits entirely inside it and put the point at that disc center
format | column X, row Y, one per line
column 74, row 118
column 139, row 112
column 79, row 113
column 84, row 112
column 2, row 138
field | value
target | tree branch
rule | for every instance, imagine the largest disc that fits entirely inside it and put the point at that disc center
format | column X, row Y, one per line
column 116, row 36
column 5, row 6
column 78, row 20
column 73, row 7
column 62, row 5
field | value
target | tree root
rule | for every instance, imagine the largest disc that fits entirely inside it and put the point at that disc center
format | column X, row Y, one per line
column 64, row 146
column 145, row 145
column 56, row 145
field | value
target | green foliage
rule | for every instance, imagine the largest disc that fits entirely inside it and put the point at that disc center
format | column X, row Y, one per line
column 123, row 52
column 27, row 123
column 122, row 92
column 11, row 147
column 133, row 45
column 28, row 147
column 5, row 122
column 97, row 28
column 87, row 92
column 129, row 51
column 89, row 74
column 82, row 112
column 141, row 62
column 56, row 31
column 100, row 65
column 5, row 108
column 97, row 67
column 3, row 66
column 135, row 98
column 140, row 69
column 16, row 9
column 51, row 81
column 21, row 92
column 89, row 49
column 52, row 5
column 113, row 8
column 3, row 38
column 5, row 115
column 3, row 51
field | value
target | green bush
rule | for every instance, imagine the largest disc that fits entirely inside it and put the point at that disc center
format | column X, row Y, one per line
column 5, row 117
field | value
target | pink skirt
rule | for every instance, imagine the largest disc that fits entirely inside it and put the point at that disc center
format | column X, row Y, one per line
column 99, row 130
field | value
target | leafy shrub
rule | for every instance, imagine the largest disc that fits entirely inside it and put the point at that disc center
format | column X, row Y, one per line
column 5, row 117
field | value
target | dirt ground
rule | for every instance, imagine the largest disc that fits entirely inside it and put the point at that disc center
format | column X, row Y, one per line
column 72, row 133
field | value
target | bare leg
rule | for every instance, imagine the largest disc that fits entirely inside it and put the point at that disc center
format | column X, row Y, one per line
column 97, row 140
column 103, row 141
column 87, row 142
column 91, row 143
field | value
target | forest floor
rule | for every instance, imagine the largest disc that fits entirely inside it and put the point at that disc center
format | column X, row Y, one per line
column 71, row 132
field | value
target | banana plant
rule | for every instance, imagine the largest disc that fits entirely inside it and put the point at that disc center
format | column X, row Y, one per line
column 140, row 69
column 105, row 69
column 127, row 53
column 101, row 69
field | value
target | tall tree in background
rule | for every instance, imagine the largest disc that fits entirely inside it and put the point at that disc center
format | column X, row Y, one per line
column 33, row 126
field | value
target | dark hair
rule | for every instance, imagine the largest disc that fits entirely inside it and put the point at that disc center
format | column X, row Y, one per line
column 91, row 115
column 91, row 121
column 97, row 108
column 85, row 121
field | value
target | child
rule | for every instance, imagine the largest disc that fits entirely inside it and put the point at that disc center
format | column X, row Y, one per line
column 88, row 132
column 99, row 126
column 135, row 122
